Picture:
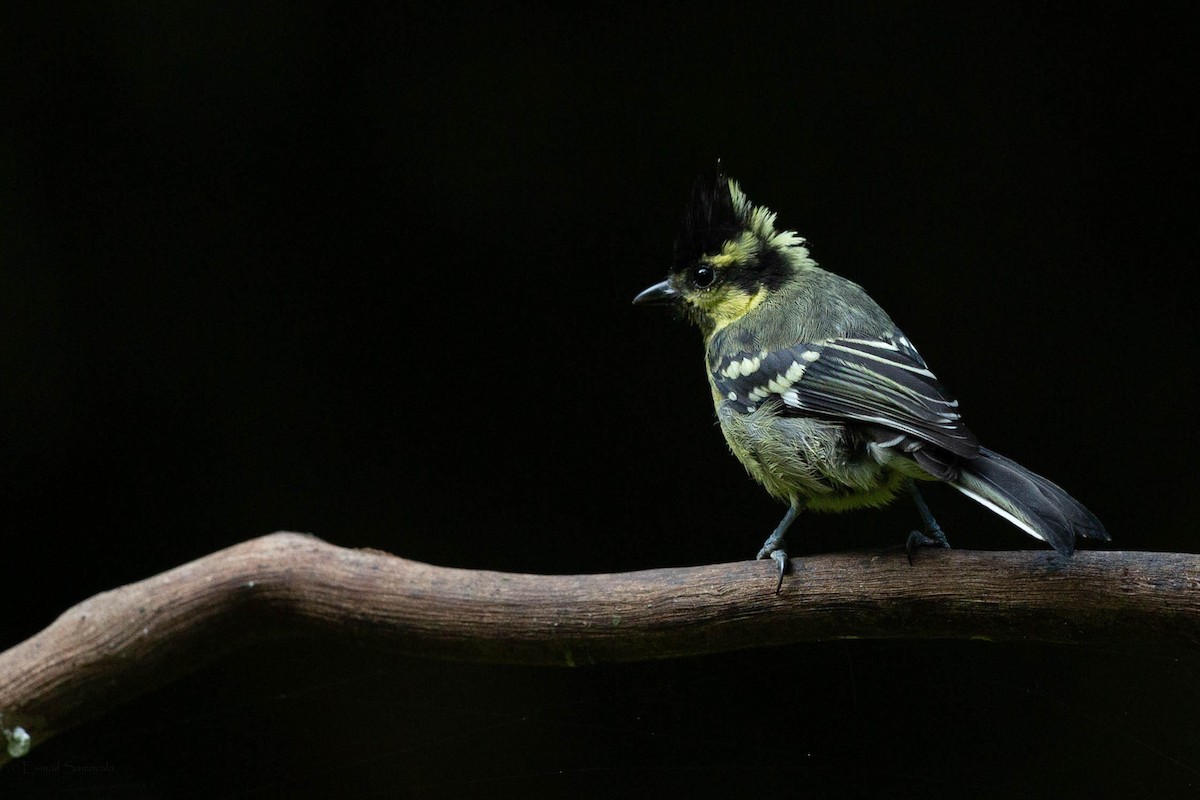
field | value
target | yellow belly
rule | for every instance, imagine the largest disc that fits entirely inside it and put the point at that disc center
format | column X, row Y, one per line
column 808, row 462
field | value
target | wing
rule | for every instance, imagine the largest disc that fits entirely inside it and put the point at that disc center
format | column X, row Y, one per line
column 882, row 382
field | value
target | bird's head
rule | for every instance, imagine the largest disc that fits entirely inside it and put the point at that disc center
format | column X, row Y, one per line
column 728, row 258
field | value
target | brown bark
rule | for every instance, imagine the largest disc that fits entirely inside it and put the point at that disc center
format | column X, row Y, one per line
column 126, row 641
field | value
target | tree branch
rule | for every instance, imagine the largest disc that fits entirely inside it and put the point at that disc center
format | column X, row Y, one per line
column 124, row 642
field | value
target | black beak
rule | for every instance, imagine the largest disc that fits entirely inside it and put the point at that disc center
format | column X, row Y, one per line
column 657, row 294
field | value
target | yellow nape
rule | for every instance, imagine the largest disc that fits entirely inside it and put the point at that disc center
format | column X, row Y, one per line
column 736, row 252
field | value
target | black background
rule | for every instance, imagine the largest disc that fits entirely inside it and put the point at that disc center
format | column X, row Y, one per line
column 365, row 272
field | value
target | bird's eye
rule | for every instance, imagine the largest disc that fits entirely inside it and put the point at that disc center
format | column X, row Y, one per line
column 703, row 277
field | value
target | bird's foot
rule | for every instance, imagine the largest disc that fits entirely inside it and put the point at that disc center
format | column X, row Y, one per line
column 779, row 556
column 933, row 536
column 773, row 547
column 933, row 532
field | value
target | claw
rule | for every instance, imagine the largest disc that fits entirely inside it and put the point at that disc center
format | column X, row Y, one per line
column 917, row 540
column 780, row 557
column 773, row 547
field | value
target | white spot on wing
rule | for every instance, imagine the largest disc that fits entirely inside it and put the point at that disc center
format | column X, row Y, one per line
column 736, row 369
column 810, row 355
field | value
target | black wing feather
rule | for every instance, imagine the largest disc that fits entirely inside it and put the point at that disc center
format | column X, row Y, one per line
column 883, row 382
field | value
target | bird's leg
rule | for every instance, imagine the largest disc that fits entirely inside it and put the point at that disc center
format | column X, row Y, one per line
column 933, row 534
column 773, row 547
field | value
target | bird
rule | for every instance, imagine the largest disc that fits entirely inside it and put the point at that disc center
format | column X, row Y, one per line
column 820, row 395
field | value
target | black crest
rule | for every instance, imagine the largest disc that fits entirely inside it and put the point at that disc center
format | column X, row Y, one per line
column 709, row 222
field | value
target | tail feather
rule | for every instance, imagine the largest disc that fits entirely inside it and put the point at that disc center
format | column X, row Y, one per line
column 1027, row 500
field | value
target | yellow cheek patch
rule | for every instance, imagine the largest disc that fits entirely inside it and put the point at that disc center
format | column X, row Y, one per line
column 732, row 305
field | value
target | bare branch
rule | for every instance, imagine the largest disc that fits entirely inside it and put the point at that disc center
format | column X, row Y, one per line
column 121, row 643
